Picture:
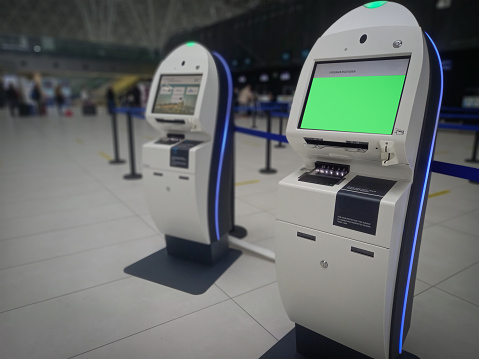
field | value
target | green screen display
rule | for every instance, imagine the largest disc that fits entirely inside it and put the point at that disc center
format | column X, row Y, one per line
column 355, row 96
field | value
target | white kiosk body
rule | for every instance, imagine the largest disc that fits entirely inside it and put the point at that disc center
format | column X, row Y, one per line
column 349, row 221
column 188, row 171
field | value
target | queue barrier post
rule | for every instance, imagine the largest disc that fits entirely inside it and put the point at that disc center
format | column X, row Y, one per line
column 114, row 129
column 131, row 149
column 253, row 116
column 268, row 169
column 474, row 149
column 280, row 144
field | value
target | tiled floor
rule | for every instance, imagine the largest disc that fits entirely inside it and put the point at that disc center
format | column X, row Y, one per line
column 70, row 224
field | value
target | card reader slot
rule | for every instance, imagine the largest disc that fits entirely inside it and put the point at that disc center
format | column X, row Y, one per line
column 159, row 174
column 362, row 251
column 176, row 121
column 184, row 178
column 347, row 144
column 306, row 236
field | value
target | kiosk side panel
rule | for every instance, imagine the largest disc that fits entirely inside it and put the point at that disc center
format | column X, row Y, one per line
column 411, row 241
column 222, row 162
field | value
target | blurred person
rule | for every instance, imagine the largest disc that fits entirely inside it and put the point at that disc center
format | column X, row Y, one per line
column 246, row 96
column 59, row 99
column 3, row 99
column 235, row 96
column 134, row 97
column 84, row 95
column 37, row 97
column 12, row 99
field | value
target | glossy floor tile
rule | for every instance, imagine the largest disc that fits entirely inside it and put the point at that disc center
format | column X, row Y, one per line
column 220, row 331
column 70, row 224
column 85, row 320
column 443, row 327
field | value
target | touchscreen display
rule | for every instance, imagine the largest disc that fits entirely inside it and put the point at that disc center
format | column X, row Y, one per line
column 355, row 96
column 177, row 94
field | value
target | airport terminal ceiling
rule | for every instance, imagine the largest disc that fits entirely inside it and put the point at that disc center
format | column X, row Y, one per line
column 152, row 23
column 147, row 23
column 246, row 32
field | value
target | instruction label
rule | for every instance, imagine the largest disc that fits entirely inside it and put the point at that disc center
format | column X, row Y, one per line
column 357, row 203
column 179, row 154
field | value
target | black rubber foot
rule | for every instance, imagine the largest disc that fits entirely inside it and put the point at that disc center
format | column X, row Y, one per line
column 475, row 182
column 267, row 171
column 132, row 176
column 116, row 162
column 280, row 146
column 471, row 160
column 238, row 232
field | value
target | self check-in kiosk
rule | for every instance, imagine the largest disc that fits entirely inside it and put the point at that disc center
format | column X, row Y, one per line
column 349, row 222
column 188, row 171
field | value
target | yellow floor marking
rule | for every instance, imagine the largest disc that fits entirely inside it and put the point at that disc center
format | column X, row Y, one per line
column 252, row 143
column 438, row 193
column 246, row 182
column 79, row 141
column 105, row 156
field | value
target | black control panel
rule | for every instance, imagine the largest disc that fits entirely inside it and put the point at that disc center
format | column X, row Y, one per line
column 170, row 139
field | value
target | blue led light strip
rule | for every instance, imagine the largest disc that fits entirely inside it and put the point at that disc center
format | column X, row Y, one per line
column 223, row 140
column 420, row 206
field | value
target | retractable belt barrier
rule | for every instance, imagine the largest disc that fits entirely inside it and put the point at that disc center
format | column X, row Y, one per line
column 470, row 122
column 465, row 172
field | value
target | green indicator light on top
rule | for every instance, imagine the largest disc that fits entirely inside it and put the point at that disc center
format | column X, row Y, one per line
column 374, row 4
column 190, row 43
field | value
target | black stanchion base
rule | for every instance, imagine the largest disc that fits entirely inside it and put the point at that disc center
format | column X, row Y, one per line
column 280, row 145
column 116, row 162
column 267, row 171
column 238, row 232
column 132, row 176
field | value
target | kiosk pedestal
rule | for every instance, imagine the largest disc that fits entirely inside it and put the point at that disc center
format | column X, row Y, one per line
column 349, row 222
column 188, row 172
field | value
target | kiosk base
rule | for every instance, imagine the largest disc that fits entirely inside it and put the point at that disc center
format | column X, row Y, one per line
column 197, row 252
column 183, row 275
column 302, row 343
column 313, row 345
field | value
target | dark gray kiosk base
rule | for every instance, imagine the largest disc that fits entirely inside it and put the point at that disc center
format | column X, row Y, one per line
column 197, row 252
column 302, row 343
column 186, row 266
